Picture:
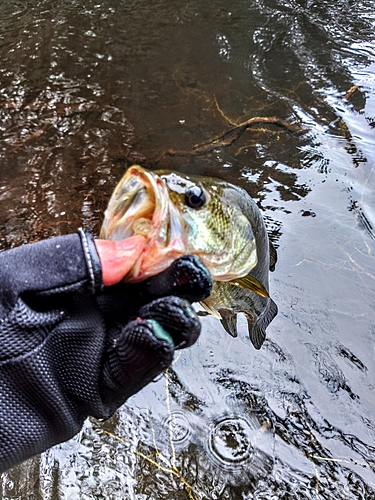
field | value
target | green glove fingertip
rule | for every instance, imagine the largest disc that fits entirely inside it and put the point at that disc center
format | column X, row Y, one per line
column 160, row 333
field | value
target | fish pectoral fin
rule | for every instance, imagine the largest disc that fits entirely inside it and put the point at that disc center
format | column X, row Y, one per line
column 210, row 310
column 251, row 284
column 257, row 329
column 230, row 324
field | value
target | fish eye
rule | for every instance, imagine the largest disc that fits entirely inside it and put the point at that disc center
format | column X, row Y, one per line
column 195, row 197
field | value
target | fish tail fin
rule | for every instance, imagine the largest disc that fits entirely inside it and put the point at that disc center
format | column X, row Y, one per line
column 230, row 324
column 257, row 333
column 273, row 256
column 257, row 329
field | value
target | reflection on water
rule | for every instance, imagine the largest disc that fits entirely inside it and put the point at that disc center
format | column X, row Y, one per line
column 87, row 88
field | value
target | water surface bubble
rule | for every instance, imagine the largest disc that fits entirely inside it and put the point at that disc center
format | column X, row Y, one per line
column 230, row 440
column 178, row 429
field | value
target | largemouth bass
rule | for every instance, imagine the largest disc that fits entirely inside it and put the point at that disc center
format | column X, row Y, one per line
column 203, row 216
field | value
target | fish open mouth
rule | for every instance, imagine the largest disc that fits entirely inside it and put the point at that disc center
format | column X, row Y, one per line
column 134, row 206
column 140, row 205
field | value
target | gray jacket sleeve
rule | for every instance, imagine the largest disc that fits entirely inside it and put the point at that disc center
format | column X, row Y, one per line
column 62, row 264
column 49, row 320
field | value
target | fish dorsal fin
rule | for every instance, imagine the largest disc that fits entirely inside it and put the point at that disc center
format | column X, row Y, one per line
column 273, row 256
column 251, row 284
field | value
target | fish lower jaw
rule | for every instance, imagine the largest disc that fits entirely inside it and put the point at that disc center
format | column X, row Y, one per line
column 156, row 259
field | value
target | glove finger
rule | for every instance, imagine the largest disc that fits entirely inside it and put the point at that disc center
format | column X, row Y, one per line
column 177, row 317
column 136, row 357
column 186, row 277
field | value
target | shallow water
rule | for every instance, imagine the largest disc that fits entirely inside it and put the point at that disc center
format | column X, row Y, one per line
column 88, row 88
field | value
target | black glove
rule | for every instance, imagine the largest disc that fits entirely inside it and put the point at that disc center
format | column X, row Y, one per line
column 69, row 349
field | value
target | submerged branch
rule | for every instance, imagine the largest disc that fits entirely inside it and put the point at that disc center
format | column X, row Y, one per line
column 351, row 91
column 230, row 136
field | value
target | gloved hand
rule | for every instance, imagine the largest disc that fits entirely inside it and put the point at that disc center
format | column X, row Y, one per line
column 70, row 349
